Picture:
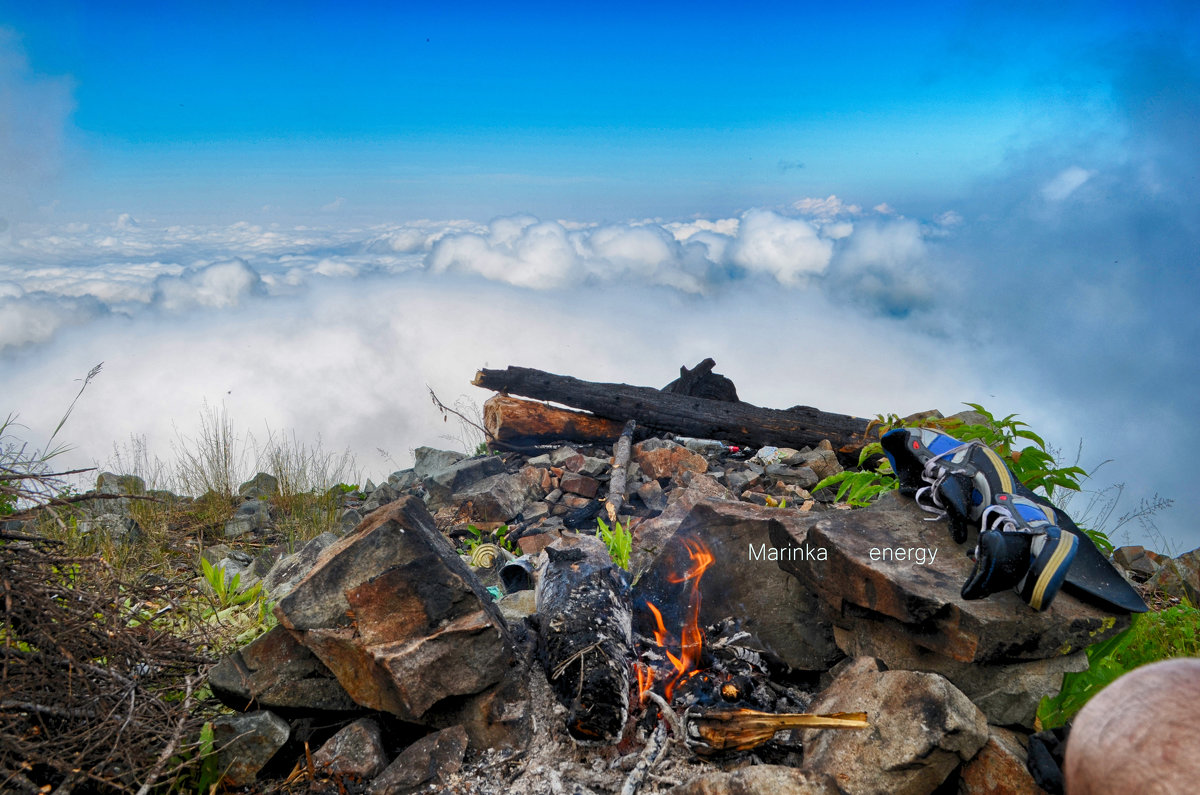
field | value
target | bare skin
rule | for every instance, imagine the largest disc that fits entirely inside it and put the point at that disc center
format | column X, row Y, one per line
column 1140, row 734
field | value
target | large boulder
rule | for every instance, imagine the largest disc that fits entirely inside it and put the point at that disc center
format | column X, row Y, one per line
column 1179, row 577
column 290, row 569
column 662, row 458
column 356, row 750
column 398, row 618
column 1008, row 693
column 261, row 485
column 502, row 497
column 251, row 516
column 424, row 765
column 887, row 564
column 442, row 484
column 110, row 483
column 922, row 728
column 999, row 768
column 429, row 460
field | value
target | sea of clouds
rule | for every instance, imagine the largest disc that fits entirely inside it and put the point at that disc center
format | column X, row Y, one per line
column 339, row 332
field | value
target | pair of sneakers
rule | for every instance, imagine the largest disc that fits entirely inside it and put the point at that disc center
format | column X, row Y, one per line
column 1021, row 545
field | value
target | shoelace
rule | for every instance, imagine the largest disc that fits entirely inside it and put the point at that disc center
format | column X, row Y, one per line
column 927, row 498
column 1006, row 522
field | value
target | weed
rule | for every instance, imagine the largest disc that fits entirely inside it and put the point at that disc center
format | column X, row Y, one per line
column 225, row 588
column 26, row 476
column 213, row 461
column 471, row 433
column 618, row 539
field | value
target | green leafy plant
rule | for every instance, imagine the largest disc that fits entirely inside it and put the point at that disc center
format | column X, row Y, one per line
column 225, row 588
column 1023, row 450
column 858, row 488
column 1174, row 632
column 618, row 539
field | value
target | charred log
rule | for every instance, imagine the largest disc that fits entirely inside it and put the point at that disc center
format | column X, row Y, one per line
column 702, row 382
column 587, row 629
column 655, row 411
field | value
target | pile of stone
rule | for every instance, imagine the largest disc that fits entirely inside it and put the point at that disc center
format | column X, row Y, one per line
column 404, row 668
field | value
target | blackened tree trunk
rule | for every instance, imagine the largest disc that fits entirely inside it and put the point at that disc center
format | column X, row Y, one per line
column 656, row 411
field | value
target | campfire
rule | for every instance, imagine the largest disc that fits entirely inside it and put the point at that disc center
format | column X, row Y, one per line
column 717, row 696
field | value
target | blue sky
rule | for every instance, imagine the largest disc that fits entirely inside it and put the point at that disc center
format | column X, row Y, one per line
column 670, row 110
column 306, row 213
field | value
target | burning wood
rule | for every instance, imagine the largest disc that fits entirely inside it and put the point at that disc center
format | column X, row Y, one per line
column 691, row 637
column 712, row 731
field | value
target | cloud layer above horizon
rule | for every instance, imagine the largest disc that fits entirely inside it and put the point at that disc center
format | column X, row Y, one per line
column 336, row 331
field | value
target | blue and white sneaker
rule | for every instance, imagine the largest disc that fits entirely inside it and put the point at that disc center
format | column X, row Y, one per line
column 1020, row 548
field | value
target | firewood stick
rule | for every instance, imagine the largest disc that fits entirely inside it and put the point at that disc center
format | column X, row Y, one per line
column 712, row 731
column 668, row 714
column 616, row 484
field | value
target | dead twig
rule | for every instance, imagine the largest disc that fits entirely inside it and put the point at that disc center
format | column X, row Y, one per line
column 665, row 710
column 169, row 750
column 61, row 501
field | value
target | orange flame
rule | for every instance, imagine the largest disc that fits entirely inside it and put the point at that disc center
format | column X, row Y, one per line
column 691, row 637
column 645, row 680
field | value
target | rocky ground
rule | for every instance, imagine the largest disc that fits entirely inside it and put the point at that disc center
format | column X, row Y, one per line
column 404, row 662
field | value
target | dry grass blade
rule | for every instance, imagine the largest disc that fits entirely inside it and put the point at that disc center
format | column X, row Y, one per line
column 714, row 731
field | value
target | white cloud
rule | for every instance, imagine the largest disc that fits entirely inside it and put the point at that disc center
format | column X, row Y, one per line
column 199, row 304
column 725, row 226
column 218, row 286
column 35, row 318
column 787, row 248
column 521, row 251
column 334, row 205
column 1065, row 183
